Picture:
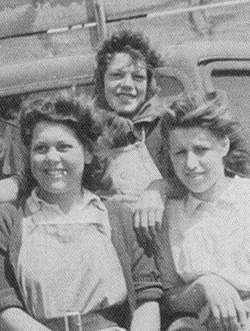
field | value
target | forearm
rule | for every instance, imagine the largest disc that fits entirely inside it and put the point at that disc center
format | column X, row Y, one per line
column 185, row 299
column 146, row 317
column 167, row 188
column 15, row 319
column 159, row 185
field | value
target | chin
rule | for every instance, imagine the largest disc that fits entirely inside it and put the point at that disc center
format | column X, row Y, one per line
column 56, row 189
column 198, row 190
column 128, row 112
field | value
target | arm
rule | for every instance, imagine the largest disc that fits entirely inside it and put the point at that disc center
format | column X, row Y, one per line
column 225, row 305
column 144, row 287
column 148, row 214
column 9, row 189
column 146, row 317
column 148, row 291
column 15, row 319
column 185, row 298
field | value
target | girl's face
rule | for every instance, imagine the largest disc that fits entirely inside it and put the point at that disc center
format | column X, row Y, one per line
column 125, row 84
column 57, row 158
column 197, row 157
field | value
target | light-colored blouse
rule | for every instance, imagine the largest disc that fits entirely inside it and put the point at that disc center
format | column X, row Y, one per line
column 130, row 170
column 68, row 264
column 212, row 237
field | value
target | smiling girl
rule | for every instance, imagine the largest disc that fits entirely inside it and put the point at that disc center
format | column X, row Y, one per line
column 204, row 240
column 68, row 261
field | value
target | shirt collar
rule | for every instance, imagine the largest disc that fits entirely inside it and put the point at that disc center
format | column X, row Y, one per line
column 34, row 203
column 227, row 198
column 191, row 203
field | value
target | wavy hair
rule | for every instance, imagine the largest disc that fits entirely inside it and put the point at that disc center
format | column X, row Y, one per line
column 213, row 114
column 137, row 46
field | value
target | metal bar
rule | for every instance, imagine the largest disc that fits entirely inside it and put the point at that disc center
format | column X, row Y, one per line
column 101, row 20
column 197, row 8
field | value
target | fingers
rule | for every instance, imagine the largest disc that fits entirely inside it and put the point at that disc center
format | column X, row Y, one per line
column 141, row 225
column 231, row 320
column 230, row 316
column 158, row 218
column 148, row 221
column 212, row 324
column 242, row 314
column 137, row 219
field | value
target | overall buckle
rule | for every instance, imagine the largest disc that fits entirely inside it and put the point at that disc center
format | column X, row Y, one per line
column 73, row 318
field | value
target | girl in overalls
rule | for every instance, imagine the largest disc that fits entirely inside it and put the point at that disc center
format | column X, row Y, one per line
column 125, row 97
column 69, row 261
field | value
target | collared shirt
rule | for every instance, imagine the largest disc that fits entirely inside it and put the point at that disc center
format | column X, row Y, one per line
column 67, row 263
column 130, row 170
column 212, row 237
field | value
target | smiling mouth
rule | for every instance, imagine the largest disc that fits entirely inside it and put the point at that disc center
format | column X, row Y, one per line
column 126, row 97
column 194, row 175
column 55, row 172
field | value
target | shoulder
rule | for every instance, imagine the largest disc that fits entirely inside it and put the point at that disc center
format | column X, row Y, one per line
column 121, row 222
column 174, row 205
column 241, row 188
column 174, row 208
column 119, row 214
column 9, row 212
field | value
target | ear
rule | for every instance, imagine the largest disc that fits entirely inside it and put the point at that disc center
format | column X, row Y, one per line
column 225, row 145
column 88, row 156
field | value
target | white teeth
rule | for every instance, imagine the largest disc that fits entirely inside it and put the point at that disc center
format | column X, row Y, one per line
column 126, row 96
column 58, row 172
column 195, row 175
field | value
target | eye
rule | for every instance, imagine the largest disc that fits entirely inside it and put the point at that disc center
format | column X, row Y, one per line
column 40, row 149
column 116, row 74
column 180, row 152
column 64, row 147
column 139, row 77
column 201, row 150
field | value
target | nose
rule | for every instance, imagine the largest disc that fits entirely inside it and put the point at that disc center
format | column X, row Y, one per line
column 52, row 155
column 128, row 81
column 192, row 161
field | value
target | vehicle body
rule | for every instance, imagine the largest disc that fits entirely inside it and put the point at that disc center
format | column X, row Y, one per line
column 47, row 45
column 50, row 45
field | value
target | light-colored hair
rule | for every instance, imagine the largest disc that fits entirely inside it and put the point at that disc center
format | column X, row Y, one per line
column 211, row 113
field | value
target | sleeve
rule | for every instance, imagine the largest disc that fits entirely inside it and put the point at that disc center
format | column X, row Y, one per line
column 9, row 293
column 146, row 277
column 13, row 160
column 164, row 258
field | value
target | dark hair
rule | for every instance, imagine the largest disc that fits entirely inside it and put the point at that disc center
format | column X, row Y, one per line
column 67, row 110
column 211, row 113
column 10, row 107
column 134, row 44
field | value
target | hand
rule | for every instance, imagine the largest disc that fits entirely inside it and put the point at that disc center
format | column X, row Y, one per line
column 148, row 214
column 227, row 310
column 213, row 325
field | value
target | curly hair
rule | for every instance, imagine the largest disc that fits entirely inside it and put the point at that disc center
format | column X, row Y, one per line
column 212, row 113
column 67, row 110
column 134, row 44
